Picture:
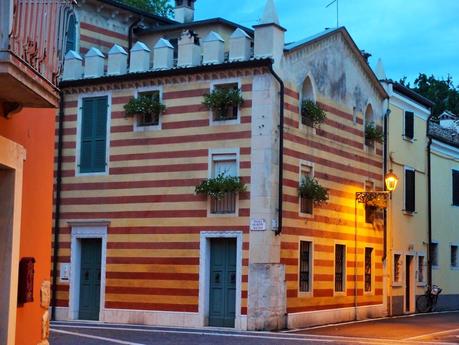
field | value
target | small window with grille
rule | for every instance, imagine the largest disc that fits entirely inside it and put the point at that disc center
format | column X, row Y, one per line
column 454, row 261
column 397, row 265
column 224, row 164
column 368, row 269
column 434, row 254
column 421, row 265
column 149, row 119
column 305, row 266
column 340, row 268
column 306, row 205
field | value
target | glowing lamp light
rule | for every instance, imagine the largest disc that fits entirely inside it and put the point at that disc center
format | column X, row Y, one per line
column 391, row 181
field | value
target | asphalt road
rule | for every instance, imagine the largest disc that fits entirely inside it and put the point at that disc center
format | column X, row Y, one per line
column 442, row 328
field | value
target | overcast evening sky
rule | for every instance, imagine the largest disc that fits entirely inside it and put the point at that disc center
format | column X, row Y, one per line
column 411, row 36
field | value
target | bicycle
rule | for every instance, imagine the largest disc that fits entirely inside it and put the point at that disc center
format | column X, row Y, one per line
column 427, row 302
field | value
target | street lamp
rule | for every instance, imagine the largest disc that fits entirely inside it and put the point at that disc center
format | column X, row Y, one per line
column 391, row 181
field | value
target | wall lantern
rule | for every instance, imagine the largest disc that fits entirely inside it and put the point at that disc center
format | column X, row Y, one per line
column 391, row 181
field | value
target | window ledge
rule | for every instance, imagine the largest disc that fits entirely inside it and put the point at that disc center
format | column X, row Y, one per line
column 421, row 284
column 435, row 267
column 454, row 268
column 397, row 284
column 411, row 140
column 305, row 294
column 409, row 213
column 339, row 293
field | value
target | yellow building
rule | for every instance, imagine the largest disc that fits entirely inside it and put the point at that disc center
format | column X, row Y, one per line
column 444, row 168
column 407, row 214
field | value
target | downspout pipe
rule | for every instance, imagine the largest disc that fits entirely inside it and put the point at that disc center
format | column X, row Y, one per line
column 57, row 210
column 130, row 38
column 429, row 204
column 386, row 128
column 281, row 148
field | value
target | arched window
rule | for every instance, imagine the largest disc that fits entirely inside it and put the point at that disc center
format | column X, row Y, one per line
column 70, row 42
column 308, row 90
column 369, row 115
column 307, row 96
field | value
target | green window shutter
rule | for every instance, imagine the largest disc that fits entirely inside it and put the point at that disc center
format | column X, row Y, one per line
column 93, row 135
column 456, row 187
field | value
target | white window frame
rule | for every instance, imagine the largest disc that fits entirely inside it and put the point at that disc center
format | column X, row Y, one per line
column 310, row 293
column 157, row 127
column 408, row 213
column 229, row 151
column 78, row 132
column 437, row 266
column 397, row 283
column 373, row 267
column 217, row 83
column 308, row 129
column 451, row 245
column 410, row 140
column 423, row 282
column 344, row 292
column 301, row 165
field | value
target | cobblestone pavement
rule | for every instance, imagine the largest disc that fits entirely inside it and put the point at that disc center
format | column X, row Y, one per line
column 440, row 328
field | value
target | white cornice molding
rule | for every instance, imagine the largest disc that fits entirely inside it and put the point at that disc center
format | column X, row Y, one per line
column 445, row 149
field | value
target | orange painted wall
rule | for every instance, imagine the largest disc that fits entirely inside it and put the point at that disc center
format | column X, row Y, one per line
column 34, row 130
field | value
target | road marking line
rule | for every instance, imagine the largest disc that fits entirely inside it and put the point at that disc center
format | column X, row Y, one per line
column 116, row 341
column 291, row 337
column 432, row 334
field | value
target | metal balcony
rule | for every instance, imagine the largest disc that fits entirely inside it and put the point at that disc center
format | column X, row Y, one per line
column 32, row 35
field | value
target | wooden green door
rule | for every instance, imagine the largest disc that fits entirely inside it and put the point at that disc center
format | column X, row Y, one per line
column 90, row 279
column 222, row 299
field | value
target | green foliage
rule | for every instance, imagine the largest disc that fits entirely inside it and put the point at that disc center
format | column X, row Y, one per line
column 144, row 105
column 374, row 133
column 310, row 188
column 158, row 7
column 217, row 187
column 311, row 114
column 222, row 100
column 440, row 91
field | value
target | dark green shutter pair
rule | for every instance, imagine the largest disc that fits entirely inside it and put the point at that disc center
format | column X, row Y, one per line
column 410, row 187
column 93, row 144
column 409, row 125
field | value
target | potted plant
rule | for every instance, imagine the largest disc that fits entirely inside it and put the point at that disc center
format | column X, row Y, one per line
column 224, row 102
column 311, row 114
column 222, row 190
column 310, row 188
column 218, row 186
column 373, row 133
column 147, row 107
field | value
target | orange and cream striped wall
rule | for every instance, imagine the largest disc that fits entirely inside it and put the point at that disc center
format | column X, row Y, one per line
column 339, row 159
column 147, row 202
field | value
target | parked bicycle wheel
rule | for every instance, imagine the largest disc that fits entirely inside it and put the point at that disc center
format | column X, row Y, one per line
column 423, row 304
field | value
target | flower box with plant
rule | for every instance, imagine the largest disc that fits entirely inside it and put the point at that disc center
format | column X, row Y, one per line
column 373, row 133
column 311, row 114
column 146, row 107
column 310, row 188
column 224, row 103
column 222, row 190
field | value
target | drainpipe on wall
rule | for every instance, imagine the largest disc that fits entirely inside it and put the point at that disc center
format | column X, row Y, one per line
column 281, row 148
column 386, row 118
column 130, row 34
column 429, row 205
column 57, row 211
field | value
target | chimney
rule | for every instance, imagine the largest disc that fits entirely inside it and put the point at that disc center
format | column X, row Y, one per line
column 94, row 63
column 73, row 66
column 163, row 56
column 213, row 47
column 269, row 35
column 140, row 58
column 117, row 60
column 189, row 51
column 239, row 46
column 184, row 11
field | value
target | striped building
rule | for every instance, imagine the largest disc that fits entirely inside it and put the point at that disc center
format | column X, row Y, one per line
column 136, row 244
